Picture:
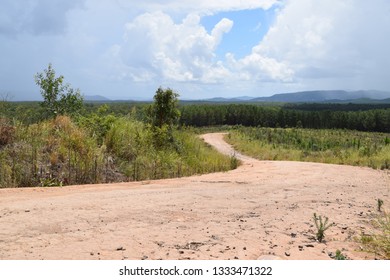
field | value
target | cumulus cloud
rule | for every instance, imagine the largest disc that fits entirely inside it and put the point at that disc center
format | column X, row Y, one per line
column 155, row 46
column 256, row 67
column 340, row 40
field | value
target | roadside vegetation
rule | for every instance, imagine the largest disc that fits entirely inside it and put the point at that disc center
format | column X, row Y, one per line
column 378, row 242
column 314, row 145
column 65, row 140
column 65, row 144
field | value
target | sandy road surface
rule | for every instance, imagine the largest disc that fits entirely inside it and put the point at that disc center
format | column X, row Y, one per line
column 260, row 209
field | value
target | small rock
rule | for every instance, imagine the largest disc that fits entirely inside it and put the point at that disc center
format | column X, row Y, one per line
column 287, row 254
column 181, row 252
column 293, row 235
column 309, row 245
column 120, row 249
column 244, row 248
column 26, row 210
column 144, row 258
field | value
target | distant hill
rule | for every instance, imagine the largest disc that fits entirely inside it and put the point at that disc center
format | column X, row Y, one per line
column 95, row 98
column 317, row 96
column 325, row 96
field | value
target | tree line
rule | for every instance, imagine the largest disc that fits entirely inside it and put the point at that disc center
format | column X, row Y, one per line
column 275, row 116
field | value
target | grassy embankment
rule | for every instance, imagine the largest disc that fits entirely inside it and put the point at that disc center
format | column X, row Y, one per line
column 314, row 145
column 98, row 150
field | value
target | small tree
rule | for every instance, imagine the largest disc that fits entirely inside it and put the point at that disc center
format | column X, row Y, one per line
column 163, row 115
column 164, row 109
column 58, row 99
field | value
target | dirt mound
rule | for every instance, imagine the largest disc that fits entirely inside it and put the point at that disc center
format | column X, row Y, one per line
column 260, row 210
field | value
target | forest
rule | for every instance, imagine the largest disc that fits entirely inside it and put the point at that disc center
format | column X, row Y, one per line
column 354, row 117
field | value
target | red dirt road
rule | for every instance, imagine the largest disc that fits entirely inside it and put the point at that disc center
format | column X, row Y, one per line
column 262, row 209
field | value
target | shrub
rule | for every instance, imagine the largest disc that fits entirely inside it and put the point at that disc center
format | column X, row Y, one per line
column 55, row 152
column 7, row 132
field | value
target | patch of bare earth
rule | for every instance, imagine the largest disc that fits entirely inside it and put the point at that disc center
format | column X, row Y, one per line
column 263, row 209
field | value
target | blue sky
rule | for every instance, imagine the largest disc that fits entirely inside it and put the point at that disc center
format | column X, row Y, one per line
column 249, row 28
column 126, row 49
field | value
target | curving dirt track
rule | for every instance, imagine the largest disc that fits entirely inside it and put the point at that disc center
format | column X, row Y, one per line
column 263, row 209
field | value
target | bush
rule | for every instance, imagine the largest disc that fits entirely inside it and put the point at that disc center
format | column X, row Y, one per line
column 7, row 132
column 55, row 152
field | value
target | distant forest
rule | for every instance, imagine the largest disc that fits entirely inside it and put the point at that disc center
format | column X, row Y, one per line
column 363, row 117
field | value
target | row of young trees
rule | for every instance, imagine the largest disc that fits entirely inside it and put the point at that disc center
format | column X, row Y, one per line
column 273, row 116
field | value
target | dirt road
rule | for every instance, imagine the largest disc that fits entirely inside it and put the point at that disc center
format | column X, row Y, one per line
column 262, row 209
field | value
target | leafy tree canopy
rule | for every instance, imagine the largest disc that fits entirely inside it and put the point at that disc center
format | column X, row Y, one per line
column 58, row 98
column 164, row 110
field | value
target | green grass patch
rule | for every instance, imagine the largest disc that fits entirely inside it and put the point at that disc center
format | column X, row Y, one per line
column 322, row 145
column 142, row 157
column 378, row 242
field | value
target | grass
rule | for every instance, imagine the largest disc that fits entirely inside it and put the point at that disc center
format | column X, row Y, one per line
column 62, row 152
column 323, row 145
column 378, row 242
column 183, row 154
column 50, row 153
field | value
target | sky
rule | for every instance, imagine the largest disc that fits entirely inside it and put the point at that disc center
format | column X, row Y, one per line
column 126, row 49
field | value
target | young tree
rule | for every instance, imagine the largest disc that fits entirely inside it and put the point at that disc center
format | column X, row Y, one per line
column 164, row 110
column 58, row 99
column 163, row 114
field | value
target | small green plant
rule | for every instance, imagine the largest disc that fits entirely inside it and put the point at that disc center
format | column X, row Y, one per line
column 339, row 256
column 380, row 204
column 321, row 226
column 50, row 182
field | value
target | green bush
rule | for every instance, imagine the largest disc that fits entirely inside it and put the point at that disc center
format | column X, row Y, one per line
column 55, row 151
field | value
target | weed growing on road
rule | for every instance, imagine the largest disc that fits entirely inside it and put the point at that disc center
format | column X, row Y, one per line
column 339, row 256
column 380, row 204
column 321, row 226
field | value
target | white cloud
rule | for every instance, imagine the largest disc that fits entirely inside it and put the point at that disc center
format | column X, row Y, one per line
column 156, row 47
column 256, row 67
column 342, row 43
column 200, row 7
